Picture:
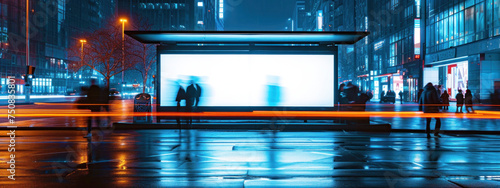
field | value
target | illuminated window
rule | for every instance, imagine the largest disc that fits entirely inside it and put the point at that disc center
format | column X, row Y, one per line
column 200, row 4
column 221, row 9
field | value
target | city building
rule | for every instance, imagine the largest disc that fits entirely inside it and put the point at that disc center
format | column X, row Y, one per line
column 390, row 58
column 395, row 47
column 176, row 15
column 171, row 15
column 54, row 25
column 462, row 46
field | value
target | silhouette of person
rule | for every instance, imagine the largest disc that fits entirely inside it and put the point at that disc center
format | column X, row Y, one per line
column 93, row 99
column 429, row 102
column 198, row 95
column 105, row 99
column 370, row 94
column 193, row 93
column 382, row 95
column 440, row 92
column 181, row 95
column 460, row 100
column 445, row 98
column 273, row 91
column 419, row 94
column 351, row 91
column 341, row 90
column 468, row 101
column 401, row 97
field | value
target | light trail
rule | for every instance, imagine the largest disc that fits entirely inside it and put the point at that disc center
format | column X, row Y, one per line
column 257, row 114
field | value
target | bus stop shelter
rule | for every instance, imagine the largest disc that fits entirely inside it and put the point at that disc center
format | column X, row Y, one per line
column 248, row 71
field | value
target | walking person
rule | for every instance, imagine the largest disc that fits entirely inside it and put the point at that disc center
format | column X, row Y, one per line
column 439, row 92
column 429, row 103
column 93, row 99
column 468, row 101
column 445, row 98
column 401, row 96
column 181, row 95
column 419, row 94
column 460, row 100
column 193, row 93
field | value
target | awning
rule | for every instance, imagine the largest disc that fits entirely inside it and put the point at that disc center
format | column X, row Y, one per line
column 246, row 37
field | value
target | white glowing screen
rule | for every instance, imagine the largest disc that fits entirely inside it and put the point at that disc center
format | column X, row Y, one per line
column 250, row 79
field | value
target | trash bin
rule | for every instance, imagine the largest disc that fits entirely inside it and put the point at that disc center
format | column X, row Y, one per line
column 142, row 103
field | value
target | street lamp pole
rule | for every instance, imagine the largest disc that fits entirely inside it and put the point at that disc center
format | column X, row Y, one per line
column 28, row 86
column 81, row 51
column 123, row 48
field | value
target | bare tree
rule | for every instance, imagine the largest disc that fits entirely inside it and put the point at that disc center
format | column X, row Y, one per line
column 143, row 55
column 102, row 51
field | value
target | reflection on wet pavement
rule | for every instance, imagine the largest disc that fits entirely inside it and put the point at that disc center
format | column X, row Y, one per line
column 202, row 158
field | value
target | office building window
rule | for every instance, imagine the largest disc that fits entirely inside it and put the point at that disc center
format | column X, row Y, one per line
column 480, row 21
column 469, row 24
column 496, row 17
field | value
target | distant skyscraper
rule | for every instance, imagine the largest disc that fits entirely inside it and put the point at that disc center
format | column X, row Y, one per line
column 389, row 58
column 54, row 26
column 174, row 15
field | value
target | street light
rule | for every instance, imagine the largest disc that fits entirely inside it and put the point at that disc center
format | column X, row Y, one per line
column 290, row 19
column 123, row 46
column 81, row 51
column 28, row 87
column 83, row 41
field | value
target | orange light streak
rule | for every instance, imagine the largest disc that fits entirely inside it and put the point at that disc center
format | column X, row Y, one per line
column 258, row 114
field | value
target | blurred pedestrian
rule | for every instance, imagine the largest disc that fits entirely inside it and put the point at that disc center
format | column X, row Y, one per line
column 193, row 93
column 382, row 95
column 370, row 94
column 419, row 94
column 181, row 95
column 105, row 101
column 351, row 92
column 468, row 101
column 341, row 90
column 390, row 96
column 429, row 102
column 460, row 100
column 93, row 100
column 445, row 98
column 401, row 96
column 438, row 87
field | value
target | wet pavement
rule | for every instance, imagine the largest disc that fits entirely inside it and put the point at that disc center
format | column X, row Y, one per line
column 408, row 124
column 207, row 158
column 446, row 123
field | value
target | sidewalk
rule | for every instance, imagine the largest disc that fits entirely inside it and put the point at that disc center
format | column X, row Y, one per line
column 414, row 124
column 417, row 125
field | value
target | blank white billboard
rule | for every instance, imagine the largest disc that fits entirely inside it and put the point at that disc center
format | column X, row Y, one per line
column 253, row 80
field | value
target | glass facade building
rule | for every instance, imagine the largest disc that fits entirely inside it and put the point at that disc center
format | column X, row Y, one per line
column 390, row 57
column 54, row 25
column 462, row 46
column 176, row 15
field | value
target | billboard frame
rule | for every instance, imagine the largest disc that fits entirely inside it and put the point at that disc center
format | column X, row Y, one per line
column 317, row 49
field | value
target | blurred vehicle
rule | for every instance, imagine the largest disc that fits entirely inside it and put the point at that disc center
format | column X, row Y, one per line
column 389, row 97
column 71, row 92
column 114, row 94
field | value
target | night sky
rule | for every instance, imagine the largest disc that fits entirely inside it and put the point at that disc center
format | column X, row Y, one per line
column 263, row 15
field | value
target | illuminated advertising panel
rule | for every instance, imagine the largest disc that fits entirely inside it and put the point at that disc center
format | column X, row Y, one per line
column 249, row 80
column 416, row 36
column 320, row 20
